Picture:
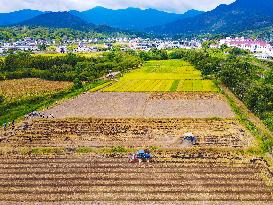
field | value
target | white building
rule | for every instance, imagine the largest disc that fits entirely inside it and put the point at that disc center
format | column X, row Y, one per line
column 254, row 46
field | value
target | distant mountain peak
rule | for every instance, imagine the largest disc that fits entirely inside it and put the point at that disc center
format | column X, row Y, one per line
column 60, row 19
column 130, row 18
column 238, row 16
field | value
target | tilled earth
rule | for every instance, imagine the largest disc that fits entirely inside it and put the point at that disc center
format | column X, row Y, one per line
column 126, row 105
column 132, row 132
column 114, row 180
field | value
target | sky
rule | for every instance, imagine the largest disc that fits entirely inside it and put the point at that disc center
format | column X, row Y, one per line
column 178, row 6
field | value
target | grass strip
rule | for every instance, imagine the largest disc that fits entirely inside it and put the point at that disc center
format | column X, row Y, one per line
column 17, row 109
column 263, row 137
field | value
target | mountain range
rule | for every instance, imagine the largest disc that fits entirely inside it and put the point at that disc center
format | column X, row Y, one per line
column 242, row 15
column 239, row 16
column 131, row 18
column 126, row 19
column 58, row 20
column 18, row 16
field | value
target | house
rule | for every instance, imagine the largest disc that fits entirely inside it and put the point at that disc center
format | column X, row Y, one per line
column 247, row 44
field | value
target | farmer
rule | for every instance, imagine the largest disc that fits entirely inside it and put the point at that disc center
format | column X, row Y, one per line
column 132, row 157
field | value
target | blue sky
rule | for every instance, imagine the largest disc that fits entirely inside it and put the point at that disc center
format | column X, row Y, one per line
column 178, row 6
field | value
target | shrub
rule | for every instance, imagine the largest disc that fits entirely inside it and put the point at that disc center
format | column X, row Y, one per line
column 77, row 83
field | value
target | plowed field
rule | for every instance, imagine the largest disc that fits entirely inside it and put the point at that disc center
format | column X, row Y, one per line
column 114, row 180
column 126, row 105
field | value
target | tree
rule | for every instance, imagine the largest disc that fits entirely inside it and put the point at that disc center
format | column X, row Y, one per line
column 77, row 83
column 42, row 47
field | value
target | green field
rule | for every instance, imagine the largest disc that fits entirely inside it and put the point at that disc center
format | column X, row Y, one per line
column 163, row 76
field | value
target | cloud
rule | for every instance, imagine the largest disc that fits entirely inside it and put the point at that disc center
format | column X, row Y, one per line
column 178, row 6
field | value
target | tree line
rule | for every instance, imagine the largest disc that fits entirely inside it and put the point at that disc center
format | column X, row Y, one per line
column 66, row 68
column 250, row 83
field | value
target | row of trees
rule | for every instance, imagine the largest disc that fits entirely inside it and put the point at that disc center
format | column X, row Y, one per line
column 252, row 84
column 69, row 67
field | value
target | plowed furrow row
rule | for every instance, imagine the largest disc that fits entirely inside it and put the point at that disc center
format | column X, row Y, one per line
column 131, row 182
column 71, row 167
column 198, row 188
column 123, row 171
column 193, row 196
column 118, row 163
column 128, row 176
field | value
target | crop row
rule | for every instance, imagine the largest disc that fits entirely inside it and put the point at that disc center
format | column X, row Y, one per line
column 94, row 179
column 157, row 85
column 113, row 132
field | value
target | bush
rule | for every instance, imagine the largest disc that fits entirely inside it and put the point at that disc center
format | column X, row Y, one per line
column 77, row 83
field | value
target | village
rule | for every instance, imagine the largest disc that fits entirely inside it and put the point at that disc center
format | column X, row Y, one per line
column 259, row 48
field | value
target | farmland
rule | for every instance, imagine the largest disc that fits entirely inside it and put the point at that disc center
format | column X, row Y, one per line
column 81, row 154
column 22, row 96
column 92, row 180
column 163, row 76
column 138, row 105
column 30, row 87
column 130, row 132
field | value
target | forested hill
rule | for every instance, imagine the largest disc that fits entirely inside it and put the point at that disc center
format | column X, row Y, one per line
column 65, row 20
column 58, row 20
column 18, row 16
column 131, row 18
column 237, row 17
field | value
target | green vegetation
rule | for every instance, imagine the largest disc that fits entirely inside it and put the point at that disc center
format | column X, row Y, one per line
column 163, row 76
column 100, row 87
column 67, row 67
column 250, row 83
column 58, row 34
column 18, row 108
column 262, row 136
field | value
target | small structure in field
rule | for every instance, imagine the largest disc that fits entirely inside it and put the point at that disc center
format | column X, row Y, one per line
column 112, row 75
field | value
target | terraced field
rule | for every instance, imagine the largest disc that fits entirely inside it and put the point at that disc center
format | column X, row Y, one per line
column 114, row 180
column 163, row 76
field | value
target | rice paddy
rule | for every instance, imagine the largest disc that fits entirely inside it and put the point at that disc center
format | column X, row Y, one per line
column 163, row 76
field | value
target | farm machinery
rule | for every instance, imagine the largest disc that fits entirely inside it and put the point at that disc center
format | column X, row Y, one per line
column 140, row 156
column 189, row 139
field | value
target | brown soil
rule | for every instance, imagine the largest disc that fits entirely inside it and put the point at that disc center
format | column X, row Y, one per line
column 97, row 132
column 136, row 105
column 114, row 180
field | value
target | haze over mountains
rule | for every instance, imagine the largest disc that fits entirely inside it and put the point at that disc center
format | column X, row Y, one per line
column 239, row 16
column 130, row 18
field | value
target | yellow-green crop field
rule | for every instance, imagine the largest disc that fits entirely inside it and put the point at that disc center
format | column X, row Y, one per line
column 163, row 76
